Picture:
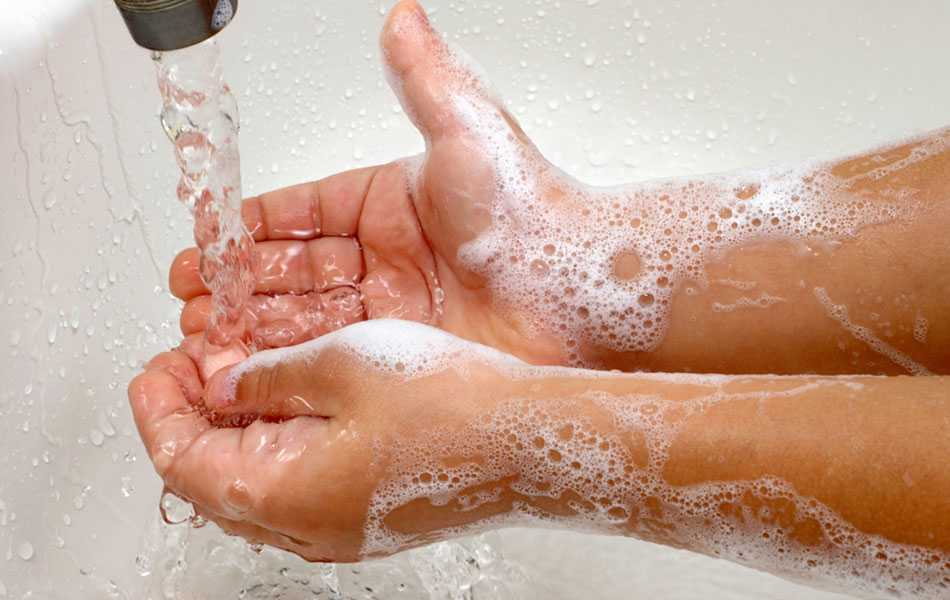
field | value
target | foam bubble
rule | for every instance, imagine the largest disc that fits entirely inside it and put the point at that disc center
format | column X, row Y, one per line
column 920, row 328
column 537, row 450
column 550, row 254
column 764, row 300
column 600, row 266
column 392, row 346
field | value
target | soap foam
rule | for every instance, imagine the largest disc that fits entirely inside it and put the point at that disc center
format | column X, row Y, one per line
column 920, row 328
column 764, row 300
column 541, row 449
column 549, row 254
column 391, row 346
column 554, row 263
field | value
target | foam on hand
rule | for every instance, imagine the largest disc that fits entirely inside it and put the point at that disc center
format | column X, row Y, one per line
column 392, row 346
column 557, row 262
column 600, row 266
column 534, row 450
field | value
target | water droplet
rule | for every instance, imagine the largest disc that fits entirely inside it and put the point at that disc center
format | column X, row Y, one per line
column 174, row 510
column 49, row 200
column 539, row 268
column 127, row 486
column 96, row 437
column 106, row 425
column 51, row 334
column 143, row 565
column 25, row 550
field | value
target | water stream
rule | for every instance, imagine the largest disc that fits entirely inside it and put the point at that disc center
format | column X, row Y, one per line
column 200, row 117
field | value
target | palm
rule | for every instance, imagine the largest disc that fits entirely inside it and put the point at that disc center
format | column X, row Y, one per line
column 385, row 246
column 381, row 241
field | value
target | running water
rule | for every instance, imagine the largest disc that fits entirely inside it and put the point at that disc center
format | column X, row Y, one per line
column 200, row 116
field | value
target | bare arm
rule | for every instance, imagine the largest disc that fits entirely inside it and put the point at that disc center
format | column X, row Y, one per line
column 388, row 435
column 869, row 302
column 837, row 482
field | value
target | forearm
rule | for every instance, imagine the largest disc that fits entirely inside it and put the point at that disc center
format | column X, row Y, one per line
column 870, row 301
column 834, row 268
column 805, row 477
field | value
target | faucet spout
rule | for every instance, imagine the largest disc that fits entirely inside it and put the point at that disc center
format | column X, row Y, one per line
column 173, row 24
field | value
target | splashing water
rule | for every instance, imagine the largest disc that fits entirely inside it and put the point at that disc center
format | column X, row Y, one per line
column 200, row 117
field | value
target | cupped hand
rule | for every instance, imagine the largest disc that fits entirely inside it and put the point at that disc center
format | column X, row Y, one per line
column 383, row 241
column 314, row 432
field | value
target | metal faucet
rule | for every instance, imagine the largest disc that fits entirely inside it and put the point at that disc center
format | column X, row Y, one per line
column 174, row 24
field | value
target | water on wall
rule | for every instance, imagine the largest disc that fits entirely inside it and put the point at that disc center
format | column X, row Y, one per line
column 611, row 90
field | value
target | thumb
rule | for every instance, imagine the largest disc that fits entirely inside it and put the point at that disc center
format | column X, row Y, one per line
column 275, row 384
column 439, row 90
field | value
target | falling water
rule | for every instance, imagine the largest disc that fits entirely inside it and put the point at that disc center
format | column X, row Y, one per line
column 200, row 117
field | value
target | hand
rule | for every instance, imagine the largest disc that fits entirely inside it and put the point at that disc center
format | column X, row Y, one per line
column 383, row 241
column 327, row 420
column 484, row 238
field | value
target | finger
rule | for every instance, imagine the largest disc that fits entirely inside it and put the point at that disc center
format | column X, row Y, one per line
column 184, row 280
column 208, row 358
column 284, row 267
column 183, row 368
column 284, row 320
column 427, row 76
column 166, row 421
column 195, row 315
column 328, row 207
column 280, row 384
column 243, row 473
column 231, row 471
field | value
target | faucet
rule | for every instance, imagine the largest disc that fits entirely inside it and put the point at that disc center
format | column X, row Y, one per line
column 174, row 24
